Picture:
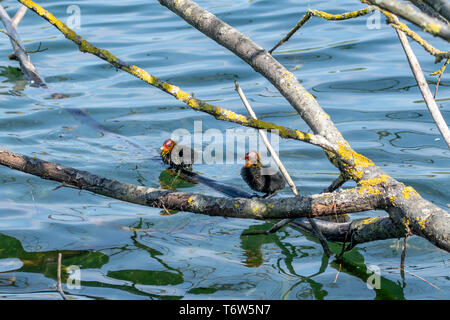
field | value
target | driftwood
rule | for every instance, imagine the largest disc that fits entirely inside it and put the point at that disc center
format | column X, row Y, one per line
column 408, row 211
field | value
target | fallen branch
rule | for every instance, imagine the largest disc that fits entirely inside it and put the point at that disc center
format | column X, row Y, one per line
column 344, row 201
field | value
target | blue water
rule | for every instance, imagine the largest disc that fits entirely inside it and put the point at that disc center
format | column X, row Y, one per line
column 359, row 76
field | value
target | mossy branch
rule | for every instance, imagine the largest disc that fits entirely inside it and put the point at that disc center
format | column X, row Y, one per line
column 320, row 14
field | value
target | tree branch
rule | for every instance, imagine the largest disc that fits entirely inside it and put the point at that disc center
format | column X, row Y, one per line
column 344, row 201
column 441, row 6
column 403, row 203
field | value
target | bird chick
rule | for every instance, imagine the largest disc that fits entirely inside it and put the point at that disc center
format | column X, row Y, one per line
column 177, row 156
column 261, row 178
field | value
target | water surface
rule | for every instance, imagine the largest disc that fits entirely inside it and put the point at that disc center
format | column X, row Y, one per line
column 125, row 251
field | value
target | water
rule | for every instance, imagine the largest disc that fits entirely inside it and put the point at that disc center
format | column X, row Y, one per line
column 126, row 251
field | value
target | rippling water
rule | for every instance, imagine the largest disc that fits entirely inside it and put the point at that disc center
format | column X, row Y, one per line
column 126, row 251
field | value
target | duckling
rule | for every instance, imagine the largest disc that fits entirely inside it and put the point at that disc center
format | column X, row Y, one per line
column 177, row 156
column 261, row 178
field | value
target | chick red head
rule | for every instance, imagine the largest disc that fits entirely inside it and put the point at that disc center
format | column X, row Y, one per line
column 252, row 159
column 168, row 145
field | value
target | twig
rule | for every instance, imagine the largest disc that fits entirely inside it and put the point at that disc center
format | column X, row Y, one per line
column 396, row 24
column 320, row 14
column 403, row 256
column 339, row 271
column 336, row 183
column 59, row 287
column 38, row 49
column 440, row 72
column 20, row 13
column 269, row 147
column 423, row 86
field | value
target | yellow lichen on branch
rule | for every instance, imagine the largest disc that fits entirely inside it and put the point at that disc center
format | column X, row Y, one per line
column 360, row 162
column 196, row 104
column 373, row 185
column 369, row 220
column 409, row 192
column 341, row 16
column 320, row 14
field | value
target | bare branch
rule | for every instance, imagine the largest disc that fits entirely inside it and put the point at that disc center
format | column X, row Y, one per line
column 423, row 86
column 345, row 201
column 357, row 231
column 19, row 16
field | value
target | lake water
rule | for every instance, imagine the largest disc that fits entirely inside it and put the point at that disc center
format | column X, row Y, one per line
column 358, row 74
